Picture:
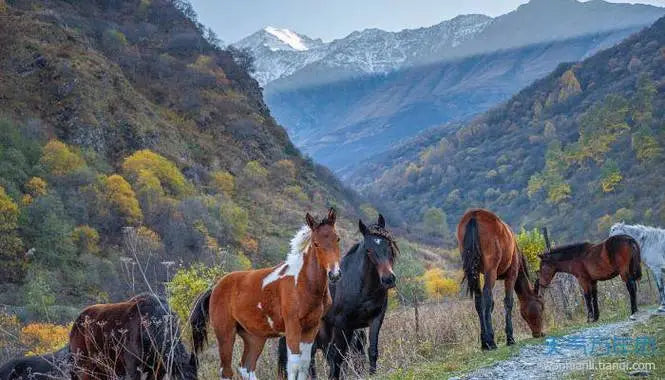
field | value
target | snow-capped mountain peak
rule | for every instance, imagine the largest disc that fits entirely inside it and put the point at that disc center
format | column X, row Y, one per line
column 288, row 37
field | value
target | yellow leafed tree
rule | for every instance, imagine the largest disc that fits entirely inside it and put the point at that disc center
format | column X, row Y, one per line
column 59, row 159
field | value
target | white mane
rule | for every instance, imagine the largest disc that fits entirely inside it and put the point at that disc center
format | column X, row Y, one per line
column 294, row 259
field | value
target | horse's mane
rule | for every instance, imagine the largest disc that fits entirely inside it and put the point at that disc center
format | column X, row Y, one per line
column 382, row 232
column 300, row 241
column 163, row 332
column 567, row 252
column 647, row 229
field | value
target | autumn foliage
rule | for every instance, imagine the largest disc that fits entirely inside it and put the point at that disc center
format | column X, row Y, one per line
column 42, row 338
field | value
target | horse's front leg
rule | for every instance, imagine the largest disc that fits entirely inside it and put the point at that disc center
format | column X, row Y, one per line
column 658, row 277
column 488, row 307
column 337, row 352
column 374, row 329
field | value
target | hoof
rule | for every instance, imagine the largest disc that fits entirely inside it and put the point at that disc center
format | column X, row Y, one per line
column 510, row 342
column 488, row 347
column 661, row 309
column 632, row 317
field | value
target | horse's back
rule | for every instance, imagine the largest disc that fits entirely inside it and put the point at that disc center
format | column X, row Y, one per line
column 497, row 241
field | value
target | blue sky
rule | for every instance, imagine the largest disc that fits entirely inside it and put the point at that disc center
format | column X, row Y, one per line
column 330, row 19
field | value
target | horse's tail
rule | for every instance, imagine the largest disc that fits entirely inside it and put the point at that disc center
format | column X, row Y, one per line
column 198, row 319
column 471, row 256
column 635, row 266
column 281, row 358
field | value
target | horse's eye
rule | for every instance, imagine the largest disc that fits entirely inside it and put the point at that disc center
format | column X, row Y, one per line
column 338, row 239
column 316, row 244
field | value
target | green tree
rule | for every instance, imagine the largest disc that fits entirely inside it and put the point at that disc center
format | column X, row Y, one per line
column 610, row 176
column 435, row 223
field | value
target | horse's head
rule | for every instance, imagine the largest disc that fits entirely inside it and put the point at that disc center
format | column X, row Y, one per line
column 325, row 242
column 185, row 367
column 532, row 309
column 545, row 273
column 380, row 249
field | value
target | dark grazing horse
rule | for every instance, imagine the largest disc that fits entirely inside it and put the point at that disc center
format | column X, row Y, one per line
column 589, row 263
column 42, row 367
column 488, row 246
column 360, row 300
column 136, row 339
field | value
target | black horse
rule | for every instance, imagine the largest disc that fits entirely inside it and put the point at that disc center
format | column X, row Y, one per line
column 43, row 367
column 360, row 300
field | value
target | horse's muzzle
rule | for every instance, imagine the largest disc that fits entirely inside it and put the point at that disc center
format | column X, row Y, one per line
column 334, row 275
column 389, row 281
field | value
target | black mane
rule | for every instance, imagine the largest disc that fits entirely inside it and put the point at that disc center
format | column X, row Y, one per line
column 382, row 232
column 567, row 252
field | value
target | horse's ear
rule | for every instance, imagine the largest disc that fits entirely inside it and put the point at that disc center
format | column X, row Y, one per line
column 382, row 221
column 362, row 227
column 332, row 215
column 310, row 221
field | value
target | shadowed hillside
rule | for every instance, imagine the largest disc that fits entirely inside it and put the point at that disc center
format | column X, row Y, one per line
column 575, row 151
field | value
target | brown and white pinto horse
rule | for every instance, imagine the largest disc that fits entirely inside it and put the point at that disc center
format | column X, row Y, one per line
column 288, row 299
column 487, row 245
column 589, row 263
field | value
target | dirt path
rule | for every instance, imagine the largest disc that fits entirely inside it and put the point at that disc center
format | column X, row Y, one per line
column 535, row 362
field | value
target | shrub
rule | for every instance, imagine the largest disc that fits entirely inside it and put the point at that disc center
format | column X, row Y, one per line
column 86, row 240
column 237, row 218
column 438, row 286
column 187, row 284
column 42, row 338
column 11, row 246
column 36, row 186
column 254, row 172
column 59, row 160
column 610, row 176
column 531, row 243
column 222, row 181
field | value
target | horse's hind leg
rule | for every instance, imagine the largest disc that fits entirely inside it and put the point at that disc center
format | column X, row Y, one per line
column 632, row 292
column 488, row 307
column 226, row 336
column 586, row 289
column 594, row 300
column 253, row 346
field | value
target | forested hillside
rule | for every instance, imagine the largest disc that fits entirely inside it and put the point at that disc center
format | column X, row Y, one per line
column 575, row 151
column 124, row 128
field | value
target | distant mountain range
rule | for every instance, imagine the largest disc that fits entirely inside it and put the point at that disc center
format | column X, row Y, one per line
column 346, row 100
column 575, row 151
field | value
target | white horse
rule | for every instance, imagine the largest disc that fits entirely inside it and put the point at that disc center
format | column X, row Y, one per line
column 652, row 245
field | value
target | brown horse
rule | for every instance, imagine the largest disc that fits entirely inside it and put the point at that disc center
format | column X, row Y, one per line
column 288, row 299
column 128, row 339
column 488, row 246
column 618, row 255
